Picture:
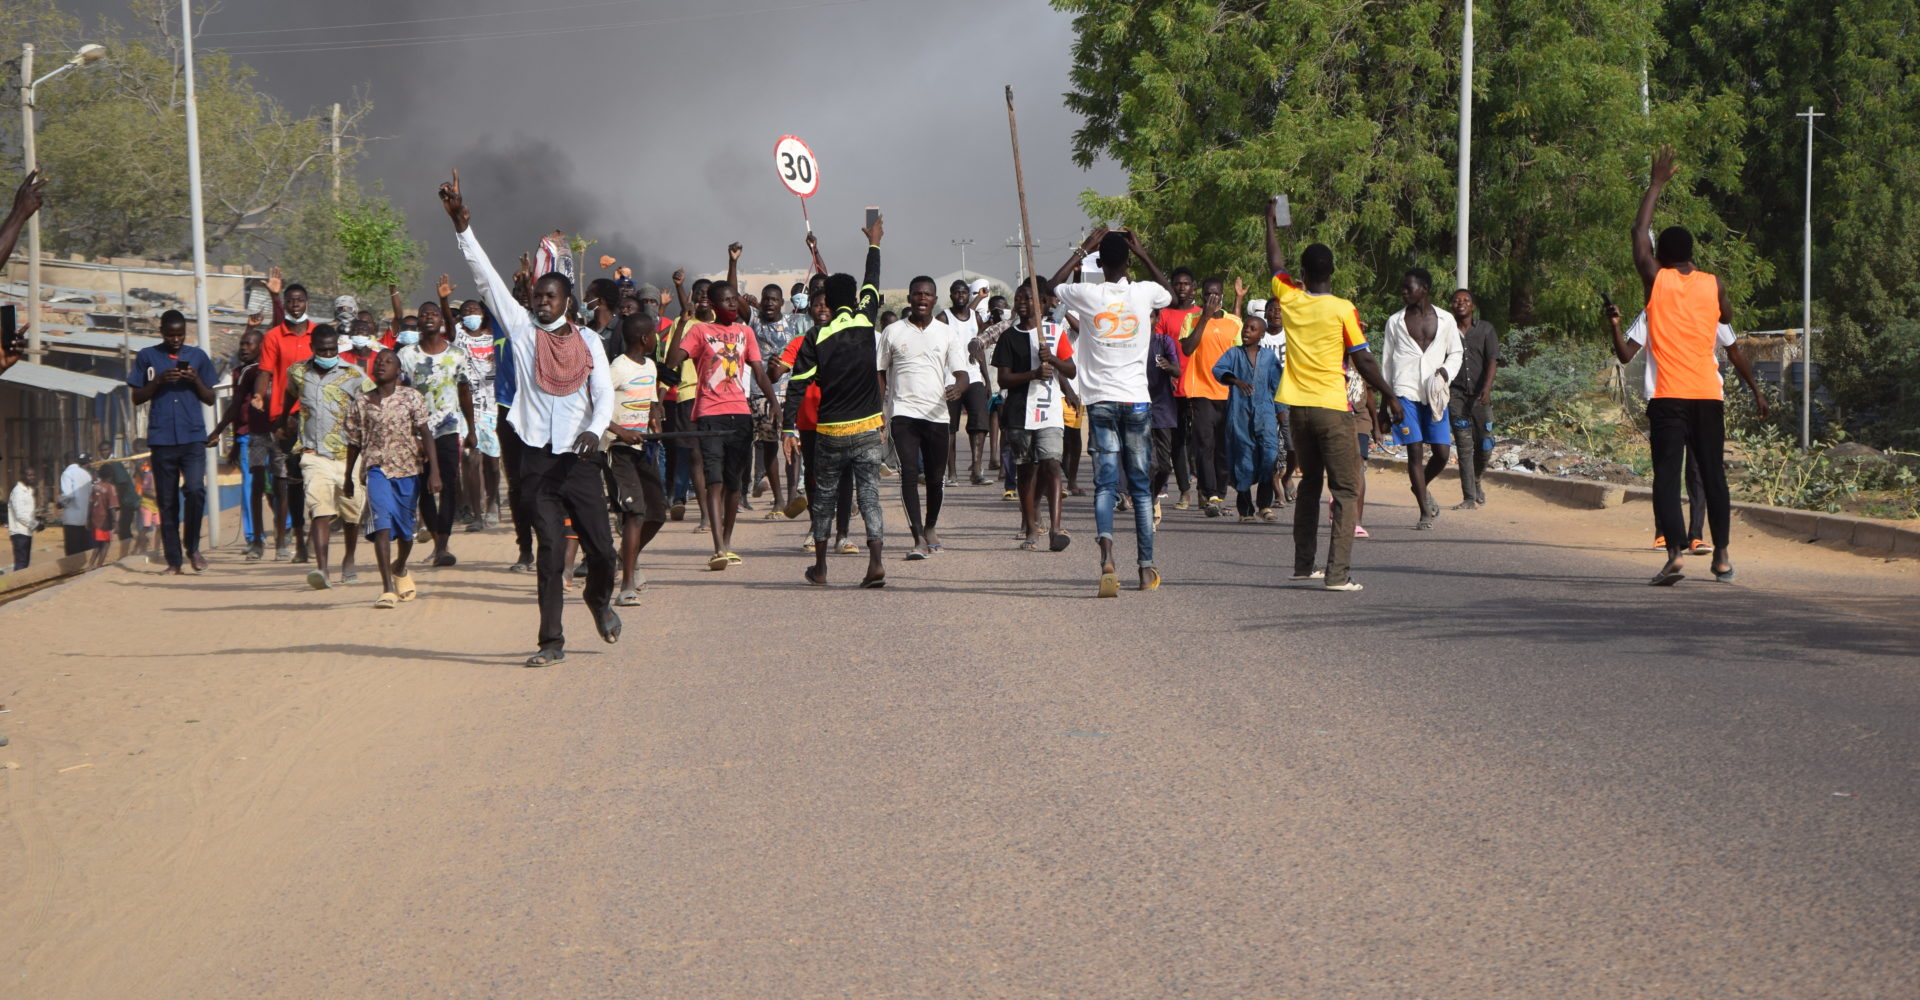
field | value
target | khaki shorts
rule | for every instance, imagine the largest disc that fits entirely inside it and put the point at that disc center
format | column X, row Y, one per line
column 324, row 477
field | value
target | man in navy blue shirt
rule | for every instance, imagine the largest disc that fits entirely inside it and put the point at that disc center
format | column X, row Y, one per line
column 175, row 379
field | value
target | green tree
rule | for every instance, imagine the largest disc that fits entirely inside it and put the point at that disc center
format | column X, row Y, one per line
column 1353, row 112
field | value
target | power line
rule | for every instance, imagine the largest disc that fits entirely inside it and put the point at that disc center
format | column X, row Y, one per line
column 337, row 45
column 422, row 20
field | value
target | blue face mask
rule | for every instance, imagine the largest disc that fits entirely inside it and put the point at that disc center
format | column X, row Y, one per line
column 800, row 302
column 472, row 323
column 326, row 364
column 407, row 337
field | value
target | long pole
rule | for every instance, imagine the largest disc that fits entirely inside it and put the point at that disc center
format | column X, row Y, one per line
column 1461, row 279
column 1806, row 294
column 1026, row 243
column 333, row 126
column 202, row 321
column 32, row 156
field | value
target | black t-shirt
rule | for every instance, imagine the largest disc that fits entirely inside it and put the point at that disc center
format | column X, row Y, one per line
column 1480, row 343
column 1014, row 352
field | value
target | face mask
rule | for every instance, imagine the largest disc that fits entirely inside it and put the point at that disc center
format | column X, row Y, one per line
column 326, row 364
column 726, row 317
column 472, row 323
column 407, row 337
column 296, row 320
column 800, row 302
column 360, row 343
column 558, row 322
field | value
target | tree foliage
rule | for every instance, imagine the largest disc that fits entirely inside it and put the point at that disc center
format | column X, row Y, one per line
column 1353, row 112
column 112, row 138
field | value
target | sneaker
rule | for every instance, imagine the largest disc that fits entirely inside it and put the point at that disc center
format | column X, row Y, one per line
column 1348, row 587
column 1318, row 574
column 476, row 525
column 282, row 553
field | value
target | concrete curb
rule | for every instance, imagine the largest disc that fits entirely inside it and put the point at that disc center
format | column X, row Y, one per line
column 1874, row 536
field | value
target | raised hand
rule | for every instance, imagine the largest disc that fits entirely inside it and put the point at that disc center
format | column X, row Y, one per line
column 679, row 276
column 1093, row 239
column 733, row 251
column 812, row 242
column 872, row 232
column 26, row 198
column 275, row 281
column 1239, row 287
column 444, row 288
column 455, row 205
column 1663, row 166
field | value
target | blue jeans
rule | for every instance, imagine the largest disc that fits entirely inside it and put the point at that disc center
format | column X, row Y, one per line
column 1122, row 435
column 173, row 463
column 852, row 455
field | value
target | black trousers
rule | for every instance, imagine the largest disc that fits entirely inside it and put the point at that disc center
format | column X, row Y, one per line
column 922, row 445
column 22, row 551
column 558, row 487
column 1210, row 444
column 1177, row 447
column 510, row 451
column 1682, row 429
column 436, row 509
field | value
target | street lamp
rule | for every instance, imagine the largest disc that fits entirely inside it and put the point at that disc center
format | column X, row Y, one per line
column 88, row 55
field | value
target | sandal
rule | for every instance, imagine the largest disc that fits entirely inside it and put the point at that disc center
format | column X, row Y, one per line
column 718, row 562
column 1029, row 545
column 627, row 599
column 315, row 579
column 546, row 658
column 874, row 582
column 733, row 559
column 405, row 587
column 812, row 580
column 1057, row 541
column 1149, row 579
column 387, row 601
column 848, row 549
column 1109, row 585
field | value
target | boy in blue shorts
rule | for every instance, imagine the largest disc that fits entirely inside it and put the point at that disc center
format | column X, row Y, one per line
column 1420, row 355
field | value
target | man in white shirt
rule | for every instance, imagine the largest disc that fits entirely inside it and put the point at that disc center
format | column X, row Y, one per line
column 633, row 478
column 974, row 402
column 76, row 490
column 1110, row 347
column 923, row 366
column 1420, row 355
column 562, row 405
column 22, row 506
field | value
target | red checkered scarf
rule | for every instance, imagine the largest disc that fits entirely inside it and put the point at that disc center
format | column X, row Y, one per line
column 561, row 361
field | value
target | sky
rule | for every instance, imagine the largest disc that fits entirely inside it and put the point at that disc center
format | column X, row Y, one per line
column 650, row 124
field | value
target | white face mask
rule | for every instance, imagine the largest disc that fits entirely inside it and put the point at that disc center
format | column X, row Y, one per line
column 360, row 343
column 558, row 322
column 296, row 320
column 407, row 338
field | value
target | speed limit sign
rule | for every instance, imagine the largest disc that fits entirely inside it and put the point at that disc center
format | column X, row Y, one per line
column 798, row 170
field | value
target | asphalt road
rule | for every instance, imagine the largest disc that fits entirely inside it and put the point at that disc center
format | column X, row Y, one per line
column 1506, row 769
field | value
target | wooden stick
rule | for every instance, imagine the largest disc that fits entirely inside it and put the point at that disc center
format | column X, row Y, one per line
column 1026, row 233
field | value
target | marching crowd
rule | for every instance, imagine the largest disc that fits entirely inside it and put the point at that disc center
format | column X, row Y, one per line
column 588, row 417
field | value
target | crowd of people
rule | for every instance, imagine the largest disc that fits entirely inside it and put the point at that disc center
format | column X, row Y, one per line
column 589, row 418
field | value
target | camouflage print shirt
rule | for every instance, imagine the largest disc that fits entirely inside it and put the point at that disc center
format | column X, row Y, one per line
column 325, row 397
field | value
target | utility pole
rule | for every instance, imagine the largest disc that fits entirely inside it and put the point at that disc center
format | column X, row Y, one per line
column 1019, row 242
column 963, row 245
column 1806, row 294
column 1466, row 146
column 33, row 221
column 333, row 125
column 202, row 320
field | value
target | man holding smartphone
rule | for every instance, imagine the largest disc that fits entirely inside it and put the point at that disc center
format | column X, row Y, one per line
column 175, row 380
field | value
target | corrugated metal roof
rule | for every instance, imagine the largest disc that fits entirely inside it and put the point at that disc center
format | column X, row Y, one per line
column 39, row 376
column 100, row 341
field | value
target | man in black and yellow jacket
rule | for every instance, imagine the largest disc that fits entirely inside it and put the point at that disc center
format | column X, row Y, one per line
column 838, row 357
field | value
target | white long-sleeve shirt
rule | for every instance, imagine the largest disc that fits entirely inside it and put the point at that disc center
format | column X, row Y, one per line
column 76, row 489
column 20, row 504
column 1408, row 368
column 542, row 419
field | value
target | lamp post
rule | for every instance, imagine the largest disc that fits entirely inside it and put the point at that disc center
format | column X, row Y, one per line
column 202, row 321
column 1462, row 195
column 87, row 55
column 963, row 245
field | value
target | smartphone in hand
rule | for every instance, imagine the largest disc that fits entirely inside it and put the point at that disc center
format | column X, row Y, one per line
column 1282, row 211
column 873, row 215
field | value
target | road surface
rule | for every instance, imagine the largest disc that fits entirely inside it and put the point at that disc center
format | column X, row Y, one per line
column 1506, row 769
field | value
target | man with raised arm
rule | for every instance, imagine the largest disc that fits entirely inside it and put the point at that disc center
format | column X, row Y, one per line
column 840, row 356
column 1110, row 347
column 561, row 406
column 1323, row 336
column 1688, row 315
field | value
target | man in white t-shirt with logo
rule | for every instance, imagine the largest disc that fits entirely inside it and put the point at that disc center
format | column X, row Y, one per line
column 1110, row 348
column 633, row 481
column 923, row 365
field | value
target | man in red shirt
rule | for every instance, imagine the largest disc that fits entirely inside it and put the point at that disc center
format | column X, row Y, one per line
column 1171, row 323
column 285, row 344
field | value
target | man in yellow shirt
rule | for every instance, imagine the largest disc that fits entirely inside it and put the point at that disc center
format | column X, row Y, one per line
column 1323, row 335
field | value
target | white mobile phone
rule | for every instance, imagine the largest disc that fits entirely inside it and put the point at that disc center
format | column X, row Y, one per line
column 1282, row 212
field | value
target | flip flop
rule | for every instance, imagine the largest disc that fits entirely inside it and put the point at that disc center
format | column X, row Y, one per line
column 1724, row 577
column 350, row 578
column 807, row 546
column 607, row 624
column 873, row 583
column 933, row 547
column 444, row 559
column 627, row 599
column 405, row 587
column 734, row 559
column 1057, row 541
column 813, row 580
column 795, row 507
column 915, row 555
column 848, row 549
column 1109, row 585
column 1666, row 578
column 317, row 580
column 546, row 658
column 718, row 562
column 1029, row 545
column 387, row 600
column 1152, row 582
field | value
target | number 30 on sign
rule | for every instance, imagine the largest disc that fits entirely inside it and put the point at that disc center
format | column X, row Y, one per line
column 798, row 170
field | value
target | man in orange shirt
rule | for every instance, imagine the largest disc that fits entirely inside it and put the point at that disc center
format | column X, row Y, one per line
column 1213, row 332
column 1688, row 315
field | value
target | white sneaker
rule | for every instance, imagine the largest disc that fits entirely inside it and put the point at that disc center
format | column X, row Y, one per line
column 1318, row 574
column 1345, row 588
